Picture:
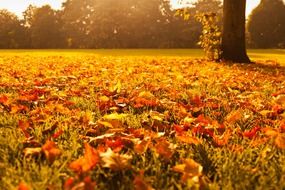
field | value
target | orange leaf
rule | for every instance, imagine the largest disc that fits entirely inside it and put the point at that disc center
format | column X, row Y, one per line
column 224, row 139
column 189, row 169
column 51, row 151
column 188, row 139
column 24, row 126
column 142, row 147
column 163, row 149
column 3, row 99
column 234, row 116
column 280, row 141
column 23, row 186
column 87, row 161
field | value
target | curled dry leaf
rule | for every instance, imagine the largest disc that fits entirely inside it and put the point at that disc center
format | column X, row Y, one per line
column 88, row 161
column 115, row 161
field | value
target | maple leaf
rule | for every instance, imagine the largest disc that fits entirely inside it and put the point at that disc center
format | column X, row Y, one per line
column 115, row 161
column 51, row 151
column 88, row 161
column 189, row 169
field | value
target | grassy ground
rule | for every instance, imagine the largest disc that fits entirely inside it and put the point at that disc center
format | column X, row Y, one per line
column 271, row 54
column 147, row 119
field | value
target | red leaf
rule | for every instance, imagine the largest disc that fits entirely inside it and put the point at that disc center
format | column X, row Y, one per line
column 3, row 99
column 251, row 133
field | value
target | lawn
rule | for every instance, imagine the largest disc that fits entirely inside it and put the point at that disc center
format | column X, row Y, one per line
column 140, row 119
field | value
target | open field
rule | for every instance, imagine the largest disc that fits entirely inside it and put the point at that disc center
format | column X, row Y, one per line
column 147, row 119
column 270, row 54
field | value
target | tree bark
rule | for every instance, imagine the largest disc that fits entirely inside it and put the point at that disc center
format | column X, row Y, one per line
column 233, row 37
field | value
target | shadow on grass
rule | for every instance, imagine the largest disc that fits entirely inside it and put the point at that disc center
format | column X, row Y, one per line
column 264, row 67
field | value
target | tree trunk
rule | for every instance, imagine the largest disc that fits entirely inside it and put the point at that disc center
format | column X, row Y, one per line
column 233, row 38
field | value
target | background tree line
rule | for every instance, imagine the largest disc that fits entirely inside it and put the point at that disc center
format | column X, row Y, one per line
column 129, row 24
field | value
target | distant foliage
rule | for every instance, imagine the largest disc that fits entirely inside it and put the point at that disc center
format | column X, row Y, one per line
column 266, row 25
column 210, row 39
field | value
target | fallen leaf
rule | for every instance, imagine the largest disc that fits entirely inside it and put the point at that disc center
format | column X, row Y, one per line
column 32, row 151
column 163, row 148
column 140, row 183
column 142, row 146
column 51, row 151
column 115, row 161
column 188, row 139
column 23, row 186
column 234, row 116
column 280, row 141
column 189, row 169
column 88, row 161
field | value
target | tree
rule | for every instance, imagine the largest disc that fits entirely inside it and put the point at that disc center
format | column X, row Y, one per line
column 12, row 32
column 44, row 26
column 76, row 22
column 233, row 37
column 266, row 24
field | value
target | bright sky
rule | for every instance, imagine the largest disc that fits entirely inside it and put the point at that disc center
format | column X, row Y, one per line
column 251, row 4
column 19, row 6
